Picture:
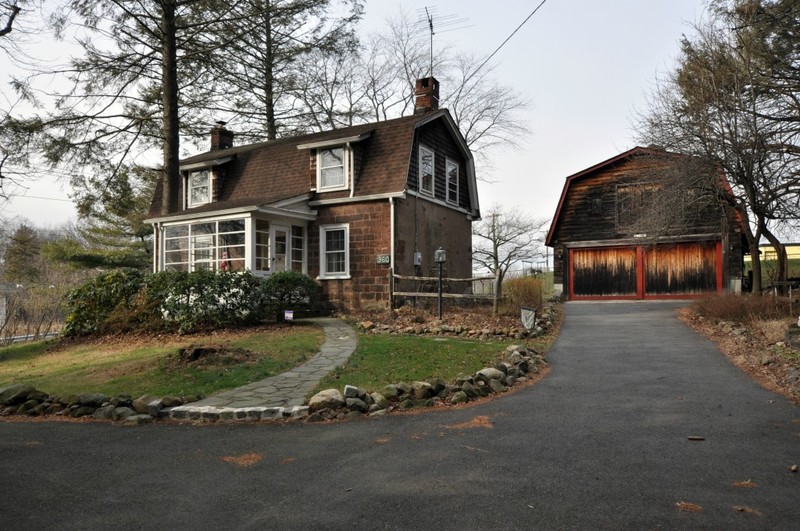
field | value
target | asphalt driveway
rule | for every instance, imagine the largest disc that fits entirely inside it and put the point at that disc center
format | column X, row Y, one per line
column 602, row 442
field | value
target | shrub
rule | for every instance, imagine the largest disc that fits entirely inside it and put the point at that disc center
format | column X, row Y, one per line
column 208, row 299
column 521, row 291
column 289, row 290
column 743, row 308
column 91, row 304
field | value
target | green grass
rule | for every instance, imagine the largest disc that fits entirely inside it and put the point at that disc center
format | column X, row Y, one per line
column 380, row 360
column 151, row 367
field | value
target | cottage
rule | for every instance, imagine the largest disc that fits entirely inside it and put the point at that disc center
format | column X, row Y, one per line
column 348, row 206
column 645, row 225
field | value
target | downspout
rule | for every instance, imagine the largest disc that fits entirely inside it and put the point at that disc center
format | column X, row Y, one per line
column 391, row 233
column 156, row 247
column 350, row 165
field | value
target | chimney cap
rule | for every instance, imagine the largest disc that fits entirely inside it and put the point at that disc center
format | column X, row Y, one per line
column 221, row 123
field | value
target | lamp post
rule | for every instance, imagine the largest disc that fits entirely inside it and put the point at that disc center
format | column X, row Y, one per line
column 440, row 257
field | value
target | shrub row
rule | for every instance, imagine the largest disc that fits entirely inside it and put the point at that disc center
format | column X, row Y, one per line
column 127, row 300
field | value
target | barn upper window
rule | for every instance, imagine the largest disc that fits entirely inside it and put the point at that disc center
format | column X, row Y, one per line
column 634, row 202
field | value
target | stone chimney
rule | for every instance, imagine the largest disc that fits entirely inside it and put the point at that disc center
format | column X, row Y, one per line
column 427, row 95
column 221, row 138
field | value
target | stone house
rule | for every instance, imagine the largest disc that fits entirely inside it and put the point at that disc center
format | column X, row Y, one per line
column 347, row 207
column 640, row 226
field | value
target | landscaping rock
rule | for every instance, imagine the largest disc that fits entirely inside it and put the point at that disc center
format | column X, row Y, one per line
column 351, row 391
column 356, row 404
column 142, row 404
column 380, row 400
column 171, row 401
column 497, row 387
column 490, row 373
column 93, row 400
column 121, row 413
column 330, row 398
column 391, row 392
column 105, row 412
column 459, row 398
column 15, row 394
column 138, row 420
column 422, row 390
column 81, row 411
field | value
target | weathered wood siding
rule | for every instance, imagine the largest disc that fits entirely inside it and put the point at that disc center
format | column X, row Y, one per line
column 604, row 272
column 681, row 269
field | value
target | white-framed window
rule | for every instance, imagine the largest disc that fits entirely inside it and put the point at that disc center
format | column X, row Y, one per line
column 199, row 188
column 452, row 182
column 426, row 170
column 217, row 245
column 334, row 252
column 333, row 168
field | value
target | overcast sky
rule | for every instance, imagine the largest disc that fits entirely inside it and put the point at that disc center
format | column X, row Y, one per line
column 585, row 65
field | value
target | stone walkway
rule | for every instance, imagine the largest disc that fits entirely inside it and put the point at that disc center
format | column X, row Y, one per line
column 284, row 394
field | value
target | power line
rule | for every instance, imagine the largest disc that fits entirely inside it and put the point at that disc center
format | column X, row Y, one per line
column 39, row 197
column 507, row 39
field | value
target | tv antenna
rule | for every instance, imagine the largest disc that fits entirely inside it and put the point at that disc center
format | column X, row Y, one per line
column 445, row 23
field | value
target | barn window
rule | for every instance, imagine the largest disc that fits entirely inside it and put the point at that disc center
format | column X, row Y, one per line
column 634, row 201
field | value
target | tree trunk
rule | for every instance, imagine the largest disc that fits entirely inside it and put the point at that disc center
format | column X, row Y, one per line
column 269, row 82
column 169, row 101
column 780, row 252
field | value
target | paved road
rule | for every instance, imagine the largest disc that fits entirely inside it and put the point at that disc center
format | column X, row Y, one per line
column 601, row 443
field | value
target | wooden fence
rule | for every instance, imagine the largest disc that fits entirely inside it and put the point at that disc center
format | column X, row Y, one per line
column 428, row 287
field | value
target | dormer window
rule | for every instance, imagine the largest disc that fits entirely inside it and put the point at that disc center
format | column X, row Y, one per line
column 333, row 168
column 199, row 188
column 426, row 169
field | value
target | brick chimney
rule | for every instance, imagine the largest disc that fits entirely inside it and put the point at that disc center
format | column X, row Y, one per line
column 427, row 95
column 221, row 138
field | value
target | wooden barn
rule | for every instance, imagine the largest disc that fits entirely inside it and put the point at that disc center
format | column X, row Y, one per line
column 646, row 224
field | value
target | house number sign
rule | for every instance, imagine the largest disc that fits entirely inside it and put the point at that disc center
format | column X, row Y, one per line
column 382, row 259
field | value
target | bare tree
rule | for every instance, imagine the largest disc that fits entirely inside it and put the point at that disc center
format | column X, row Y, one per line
column 10, row 11
column 722, row 104
column 503, row 238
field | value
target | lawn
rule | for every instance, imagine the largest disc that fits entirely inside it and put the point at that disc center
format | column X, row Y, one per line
column 137, row 366
column 380, row 360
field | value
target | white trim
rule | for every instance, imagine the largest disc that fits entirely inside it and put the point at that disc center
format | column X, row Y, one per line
column 335, row 141
column 211, row 214
column 206, row 164
column 345, row 169
column 357, row 199
column 442, row 203
column 291, row 214
column 447, row 163
column 323, row 229
column 422, row 190
column 208, row 185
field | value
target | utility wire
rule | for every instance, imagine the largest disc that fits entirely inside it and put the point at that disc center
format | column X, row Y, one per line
column 505, row 41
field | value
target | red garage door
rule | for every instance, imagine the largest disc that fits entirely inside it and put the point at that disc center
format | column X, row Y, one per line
column 665, row 271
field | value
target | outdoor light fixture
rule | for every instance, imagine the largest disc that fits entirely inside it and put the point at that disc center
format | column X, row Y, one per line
column 440, row 257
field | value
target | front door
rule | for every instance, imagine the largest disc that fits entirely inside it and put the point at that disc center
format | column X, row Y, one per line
column 280, row 244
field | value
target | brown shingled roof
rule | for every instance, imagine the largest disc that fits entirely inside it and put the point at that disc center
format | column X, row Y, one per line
column 267, row 172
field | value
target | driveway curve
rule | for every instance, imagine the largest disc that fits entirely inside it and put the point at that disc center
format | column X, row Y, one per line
column 602, row 442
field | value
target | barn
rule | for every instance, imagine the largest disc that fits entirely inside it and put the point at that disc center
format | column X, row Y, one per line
column 646, row 224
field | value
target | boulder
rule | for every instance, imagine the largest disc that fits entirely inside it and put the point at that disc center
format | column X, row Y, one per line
column 93, row 400
column 490, row 373
column 356, row 404
column 380, row 400
column 351, row 391
column 329, row 398
column 15, row 394
column 142, row 404
column 138, row 420
column 422, row 390
column 171, row 401
column 391, row 392
column 105, row 412
column 122, row 412
column 497, row 387
column 459, row 398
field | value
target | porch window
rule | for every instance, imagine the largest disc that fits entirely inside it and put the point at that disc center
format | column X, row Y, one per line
column 213, row 245
column 199, row 189
column 334, row 251
column 452, row 182
column 333, row 168
column 262, row 245
column 426, row 170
